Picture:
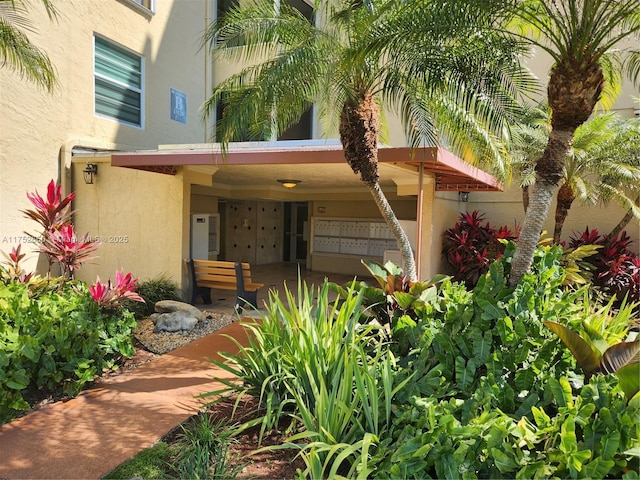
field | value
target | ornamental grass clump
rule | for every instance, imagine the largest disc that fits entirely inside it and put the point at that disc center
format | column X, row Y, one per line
column 315, row 365
column 203, row 450
column 153, row 290
column 295, row 343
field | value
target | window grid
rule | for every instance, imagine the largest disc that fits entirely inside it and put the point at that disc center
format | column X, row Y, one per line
column 118, row 80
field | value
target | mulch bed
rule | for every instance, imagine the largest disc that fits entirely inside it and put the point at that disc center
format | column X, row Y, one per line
column 273, row 464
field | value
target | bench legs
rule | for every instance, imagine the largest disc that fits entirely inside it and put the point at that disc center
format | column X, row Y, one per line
column 197, row 291
column 247, row 298
column 244, row 297
column 203, row 292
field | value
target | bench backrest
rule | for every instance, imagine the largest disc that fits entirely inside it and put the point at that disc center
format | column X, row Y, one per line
column 220, row 271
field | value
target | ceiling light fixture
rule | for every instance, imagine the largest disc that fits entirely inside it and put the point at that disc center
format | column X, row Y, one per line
column 289, row 183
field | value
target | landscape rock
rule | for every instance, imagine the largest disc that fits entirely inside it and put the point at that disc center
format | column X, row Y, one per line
column 174, row 322
column 168, row 306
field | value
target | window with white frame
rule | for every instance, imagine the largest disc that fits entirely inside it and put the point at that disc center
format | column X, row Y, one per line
column 118, row 80
column 147, row 4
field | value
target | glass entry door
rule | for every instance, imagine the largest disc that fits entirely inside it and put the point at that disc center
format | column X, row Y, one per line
column 296, row 232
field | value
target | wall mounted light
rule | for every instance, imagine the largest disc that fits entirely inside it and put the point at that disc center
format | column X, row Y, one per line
column 289, row 183
column 89, row 173
column 464, row 196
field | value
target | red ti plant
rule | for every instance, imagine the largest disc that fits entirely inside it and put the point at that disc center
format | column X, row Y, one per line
column 54, row 211
column 15, row 272
column 617, row 268
column 69, row 250
column 111, row 295
column 58, row 239
column 471, row 245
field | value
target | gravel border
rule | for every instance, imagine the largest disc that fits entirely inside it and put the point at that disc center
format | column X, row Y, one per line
column 164, row 342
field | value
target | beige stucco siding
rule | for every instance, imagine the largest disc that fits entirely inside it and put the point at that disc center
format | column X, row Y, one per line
column 137, row 217
column 40, row 129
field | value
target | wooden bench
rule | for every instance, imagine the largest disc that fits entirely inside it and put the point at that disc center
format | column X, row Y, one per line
column 207, row 274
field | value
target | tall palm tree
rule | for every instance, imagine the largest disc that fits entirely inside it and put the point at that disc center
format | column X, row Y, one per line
column 527, row 143
column 599, row 166
column 343, row 64
column 594, row 172
column 16, row 50
column 585, row 39
column 627, row 150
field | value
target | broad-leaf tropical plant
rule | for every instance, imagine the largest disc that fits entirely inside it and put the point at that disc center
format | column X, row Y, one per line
column 586, row 42
column 457, row 91
column 599, row 346
column 17, row 52
column 111, row 295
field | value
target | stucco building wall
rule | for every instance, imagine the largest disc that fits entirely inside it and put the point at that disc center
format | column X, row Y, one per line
column 137, row 218
column 40, row 130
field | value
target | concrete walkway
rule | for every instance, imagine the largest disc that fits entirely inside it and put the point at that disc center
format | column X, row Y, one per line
column 88, row 436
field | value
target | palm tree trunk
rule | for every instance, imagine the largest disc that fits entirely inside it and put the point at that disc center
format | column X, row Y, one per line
column 548, row 176
column 359, row 134
column 564, row 200
column 525, row 197
column 624, row 222
column 408, row 261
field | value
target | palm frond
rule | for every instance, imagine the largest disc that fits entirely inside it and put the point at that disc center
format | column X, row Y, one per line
column 17, row 52
column 20, row 55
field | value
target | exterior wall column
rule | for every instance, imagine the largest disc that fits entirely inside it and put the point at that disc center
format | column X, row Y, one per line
column 425, row 224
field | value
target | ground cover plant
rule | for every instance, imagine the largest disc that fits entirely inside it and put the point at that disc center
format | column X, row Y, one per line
column 57, row 333
column 199, row 449
column 153, row 290
column 208, row 445
column 463, row 383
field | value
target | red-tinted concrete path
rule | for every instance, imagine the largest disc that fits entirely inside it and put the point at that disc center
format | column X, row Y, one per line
column 90, row 435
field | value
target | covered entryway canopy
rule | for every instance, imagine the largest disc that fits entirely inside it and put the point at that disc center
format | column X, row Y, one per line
column 271, row 161
column 255, row 170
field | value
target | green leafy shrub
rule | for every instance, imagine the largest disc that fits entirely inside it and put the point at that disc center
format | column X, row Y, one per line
column 152, row 291
column 56, row 334
column 493, row 395
column 488, row 392
column 54, row 340
column 396, row 302
column 470, row 384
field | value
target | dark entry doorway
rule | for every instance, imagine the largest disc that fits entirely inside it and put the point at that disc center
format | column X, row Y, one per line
column 296, row 232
